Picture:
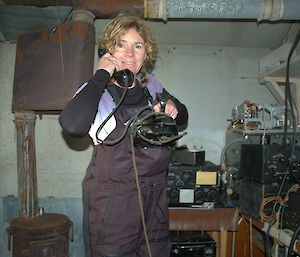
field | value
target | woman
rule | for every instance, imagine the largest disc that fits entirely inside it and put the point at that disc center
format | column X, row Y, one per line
column 113, row 222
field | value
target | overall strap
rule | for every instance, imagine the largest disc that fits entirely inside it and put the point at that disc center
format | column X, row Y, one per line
column 148, row 95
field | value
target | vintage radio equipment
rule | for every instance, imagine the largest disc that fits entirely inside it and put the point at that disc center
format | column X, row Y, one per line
column 229, row 187
column 291, row 220
column 251, row 195
column 293, row 203
column 193, row 185
column 268, row 163
column 181, row 182
column 192, row 244
column 291, row 214
column 206, row 194
column 184, row 156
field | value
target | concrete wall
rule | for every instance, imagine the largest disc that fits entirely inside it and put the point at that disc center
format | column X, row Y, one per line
column 210, row 80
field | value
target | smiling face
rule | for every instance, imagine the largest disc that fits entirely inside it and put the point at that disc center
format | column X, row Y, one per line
column 130, row 52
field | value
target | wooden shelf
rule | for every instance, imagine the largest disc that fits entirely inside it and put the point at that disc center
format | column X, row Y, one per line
column 216, row 219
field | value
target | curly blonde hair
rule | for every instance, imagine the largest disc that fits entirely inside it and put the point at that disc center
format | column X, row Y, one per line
column 119, row 26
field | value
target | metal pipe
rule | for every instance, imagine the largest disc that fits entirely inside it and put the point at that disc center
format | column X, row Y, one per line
column 215, row 9
column 26, row 164
column 235, row 9
column 104, row 9
column 291, row 10
column 271, row 10
column 83, row 16
column 259, row 10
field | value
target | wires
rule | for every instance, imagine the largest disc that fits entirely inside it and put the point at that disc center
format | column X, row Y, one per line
column 161, row 120
column 274, row 217
column 288, row 99
column 140, row 197
column 277, row 199
column 156, row 124
column 111, row 113
column 268, row 238
column 235, row 125
column 263, row 139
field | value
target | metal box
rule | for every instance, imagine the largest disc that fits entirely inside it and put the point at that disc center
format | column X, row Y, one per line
column 51, row 63
column 192, row 244
column 252, row 195
column 268, row 163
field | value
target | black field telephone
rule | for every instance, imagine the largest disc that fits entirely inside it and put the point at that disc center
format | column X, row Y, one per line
column 125, row 77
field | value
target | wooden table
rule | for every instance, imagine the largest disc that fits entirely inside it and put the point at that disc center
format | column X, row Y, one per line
column 217, row 220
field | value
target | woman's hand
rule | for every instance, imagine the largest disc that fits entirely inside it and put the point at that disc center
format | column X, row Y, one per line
column 169, row 109
column 109, row 63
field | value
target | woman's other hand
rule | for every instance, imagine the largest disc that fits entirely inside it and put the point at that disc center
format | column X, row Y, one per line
column 170, row 108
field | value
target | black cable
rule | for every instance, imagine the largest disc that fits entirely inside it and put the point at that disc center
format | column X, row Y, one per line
column 140, row 197
column 290, row 95
column 135, row 123
column 111, row 113
column 129, row 123
column 293, row 240
column 158, row 142
column 161, row 141
column 267, row 238
column 113, row 142
column 288, row 98
column 283, row 180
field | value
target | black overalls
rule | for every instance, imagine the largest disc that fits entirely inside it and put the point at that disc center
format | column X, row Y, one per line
column 112, row 219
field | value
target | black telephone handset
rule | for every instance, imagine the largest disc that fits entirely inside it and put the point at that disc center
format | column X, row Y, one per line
column 125, row 77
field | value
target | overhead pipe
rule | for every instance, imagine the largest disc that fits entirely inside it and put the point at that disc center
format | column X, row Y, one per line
column 83, row 16
column 269, row 10
column 105, row 9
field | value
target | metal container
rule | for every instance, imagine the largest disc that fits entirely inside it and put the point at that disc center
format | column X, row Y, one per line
column 51, row 64
column 46, row 235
